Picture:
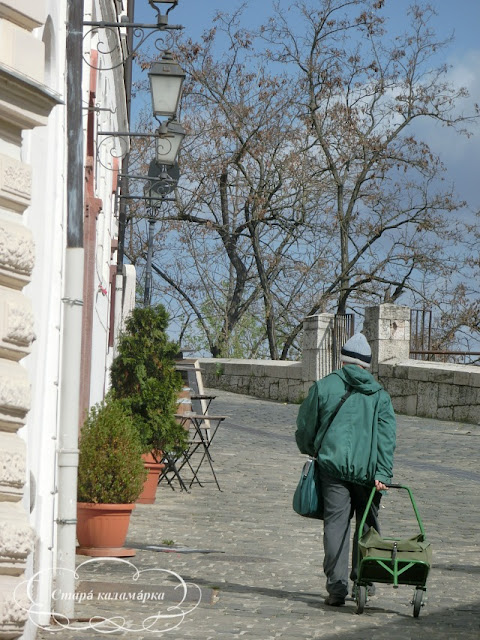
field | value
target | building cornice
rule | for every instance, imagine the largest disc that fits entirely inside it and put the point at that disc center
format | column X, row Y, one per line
column 27, row 15
column 23, row 101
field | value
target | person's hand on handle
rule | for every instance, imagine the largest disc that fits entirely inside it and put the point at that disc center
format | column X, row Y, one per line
column 379, row 486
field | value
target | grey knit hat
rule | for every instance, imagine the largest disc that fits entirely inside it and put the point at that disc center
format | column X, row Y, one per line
column 357, row 351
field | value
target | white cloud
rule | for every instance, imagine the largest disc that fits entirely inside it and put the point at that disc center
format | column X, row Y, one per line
column 460, row 154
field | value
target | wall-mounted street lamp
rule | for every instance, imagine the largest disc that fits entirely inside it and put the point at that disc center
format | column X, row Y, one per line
column 168, row 142
column 167, row 139
column 169, row 136
column 166, row 82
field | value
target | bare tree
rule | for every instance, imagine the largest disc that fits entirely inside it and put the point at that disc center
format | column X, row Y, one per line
column 246, row 184
column 307, row 186
column 361, row 92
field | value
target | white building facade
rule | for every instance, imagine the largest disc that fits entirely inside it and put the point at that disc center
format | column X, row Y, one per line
column 36, row 337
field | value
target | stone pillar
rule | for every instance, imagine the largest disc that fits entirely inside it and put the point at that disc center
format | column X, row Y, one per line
column 317, row 346
column 387, row 329
column 24, row 104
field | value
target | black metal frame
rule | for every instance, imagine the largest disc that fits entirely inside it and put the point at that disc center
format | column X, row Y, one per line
column 343, row 329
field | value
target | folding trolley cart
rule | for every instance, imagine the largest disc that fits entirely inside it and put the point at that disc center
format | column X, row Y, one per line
column 392, row 561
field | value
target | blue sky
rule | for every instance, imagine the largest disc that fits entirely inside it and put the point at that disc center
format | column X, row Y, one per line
column 461, row 17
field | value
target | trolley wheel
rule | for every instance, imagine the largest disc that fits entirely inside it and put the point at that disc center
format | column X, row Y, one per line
column 417, row 602
column 361, row 598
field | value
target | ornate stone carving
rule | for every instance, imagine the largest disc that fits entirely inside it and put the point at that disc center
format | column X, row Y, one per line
column 17, row 252
column 19, row 324
column 16, row 538
column 12, row 460
column 14, row 394
column 12, row 608
column 18, row 179
column 16, row 325
column 15, row 183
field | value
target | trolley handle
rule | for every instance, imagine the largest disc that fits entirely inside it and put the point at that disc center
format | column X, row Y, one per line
column 391, row 486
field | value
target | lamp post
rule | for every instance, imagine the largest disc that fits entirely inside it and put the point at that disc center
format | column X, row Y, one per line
column 73, row 295
column 110, row 58
column 166, row 84
column 147, row 295
column 162, row 181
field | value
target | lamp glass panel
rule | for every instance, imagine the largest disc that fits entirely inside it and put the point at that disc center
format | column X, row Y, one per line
column 165, row 94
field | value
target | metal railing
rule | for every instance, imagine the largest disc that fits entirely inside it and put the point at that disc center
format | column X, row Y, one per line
column 343, row 329
column 420, row 331
column 340, row 329
column 421, row 342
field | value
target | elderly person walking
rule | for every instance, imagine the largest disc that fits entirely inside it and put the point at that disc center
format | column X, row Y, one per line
column 355, row 453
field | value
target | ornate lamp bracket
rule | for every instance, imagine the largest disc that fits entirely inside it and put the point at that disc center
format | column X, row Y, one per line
column 116, row 144
column 110, row 42
column 160, row 17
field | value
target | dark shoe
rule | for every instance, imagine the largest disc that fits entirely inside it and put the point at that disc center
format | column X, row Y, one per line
column 334, row 601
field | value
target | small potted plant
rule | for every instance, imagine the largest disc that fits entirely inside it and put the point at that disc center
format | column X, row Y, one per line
column 144, row 379
column 111, row 475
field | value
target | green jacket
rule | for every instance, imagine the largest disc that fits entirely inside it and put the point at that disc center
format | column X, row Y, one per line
column 359, row 444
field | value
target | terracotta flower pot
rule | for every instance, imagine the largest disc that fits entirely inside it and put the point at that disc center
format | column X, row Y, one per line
column 154, row 469
column 102, row 529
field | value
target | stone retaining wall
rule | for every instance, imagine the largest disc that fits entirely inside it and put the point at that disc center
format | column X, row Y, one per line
column 427, row 389
column 433, row 390
column 268, row 379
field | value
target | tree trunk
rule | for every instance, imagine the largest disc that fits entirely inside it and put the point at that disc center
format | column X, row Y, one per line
column 267, row 294
column 344, row 253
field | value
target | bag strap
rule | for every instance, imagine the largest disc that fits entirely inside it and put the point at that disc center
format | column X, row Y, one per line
column 332, row 417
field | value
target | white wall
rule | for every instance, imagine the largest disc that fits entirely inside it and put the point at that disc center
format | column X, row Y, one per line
column 44, row 149
column 27, row 382
column 46, row 218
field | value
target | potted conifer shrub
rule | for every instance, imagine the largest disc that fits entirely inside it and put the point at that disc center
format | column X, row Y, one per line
column 144, row 379
column 111, row 475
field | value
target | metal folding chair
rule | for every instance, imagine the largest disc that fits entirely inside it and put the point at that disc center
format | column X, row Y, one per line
column 202, row 429
column 192, row 413
column 171, row 472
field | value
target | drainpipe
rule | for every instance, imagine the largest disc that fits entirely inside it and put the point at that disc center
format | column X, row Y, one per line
column 122, row 213
column 72, row 319
column 93, row 206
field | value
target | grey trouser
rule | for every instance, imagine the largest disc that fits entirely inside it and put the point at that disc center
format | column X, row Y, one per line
column 342, row 500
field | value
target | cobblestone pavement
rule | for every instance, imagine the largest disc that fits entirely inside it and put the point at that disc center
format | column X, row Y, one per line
column 258, row 565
